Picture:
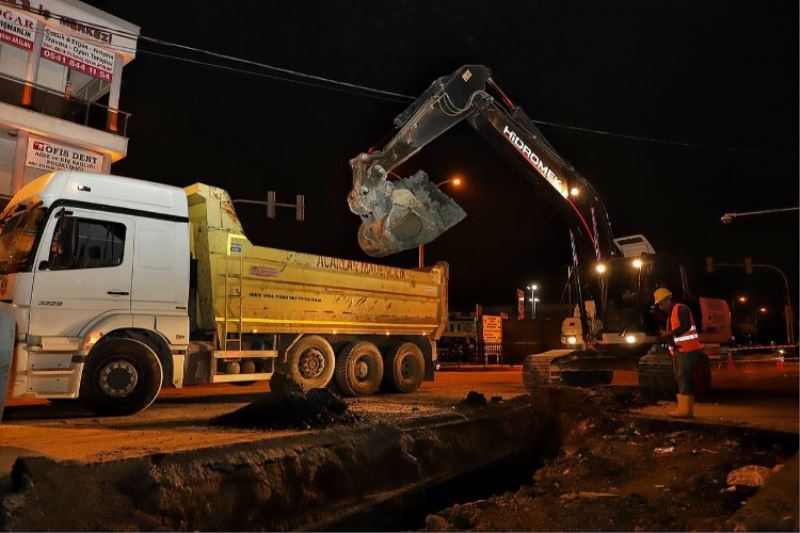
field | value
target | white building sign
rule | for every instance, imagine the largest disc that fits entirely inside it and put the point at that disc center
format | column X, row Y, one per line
column 16, row 29
column 48, row 155
column 77, row 54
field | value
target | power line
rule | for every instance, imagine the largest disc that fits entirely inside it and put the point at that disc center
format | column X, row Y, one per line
column 641, row 138
column 362, row 90
column 282, row 70
column 269, row 76
column 399, row 97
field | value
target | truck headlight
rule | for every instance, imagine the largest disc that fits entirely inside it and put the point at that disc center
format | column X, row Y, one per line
column 572, row 340
column 630, row 339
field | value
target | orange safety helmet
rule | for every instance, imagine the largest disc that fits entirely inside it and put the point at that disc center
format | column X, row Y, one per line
column 661, row 294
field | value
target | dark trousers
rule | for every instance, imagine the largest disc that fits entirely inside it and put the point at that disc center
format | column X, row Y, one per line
column 683, row 364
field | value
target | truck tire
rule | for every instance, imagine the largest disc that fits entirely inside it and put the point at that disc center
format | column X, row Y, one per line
column 404, row 368
column 311, row 362
column 359, row 369
column 121, row 377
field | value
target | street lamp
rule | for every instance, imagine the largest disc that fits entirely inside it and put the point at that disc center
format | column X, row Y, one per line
column 534, row 300
column 727, row 218
column 456, row 180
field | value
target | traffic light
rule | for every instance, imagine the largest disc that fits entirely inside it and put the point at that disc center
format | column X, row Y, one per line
column 748, row 265
column 709, row 265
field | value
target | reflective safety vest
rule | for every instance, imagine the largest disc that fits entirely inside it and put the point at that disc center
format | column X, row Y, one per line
column 689, row 340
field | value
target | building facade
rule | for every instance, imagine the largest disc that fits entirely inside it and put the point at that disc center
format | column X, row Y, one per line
column 61, row 64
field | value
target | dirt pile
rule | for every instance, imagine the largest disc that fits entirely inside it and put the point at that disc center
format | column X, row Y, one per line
column 618, row 473
column 287, row 407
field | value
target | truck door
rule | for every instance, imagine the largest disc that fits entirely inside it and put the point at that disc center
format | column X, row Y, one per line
column 83, row 269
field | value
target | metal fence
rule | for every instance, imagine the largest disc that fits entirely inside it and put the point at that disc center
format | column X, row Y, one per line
column 61, row 105
column 483, row 354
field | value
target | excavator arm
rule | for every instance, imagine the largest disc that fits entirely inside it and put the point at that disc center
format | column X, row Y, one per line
column 402, row 214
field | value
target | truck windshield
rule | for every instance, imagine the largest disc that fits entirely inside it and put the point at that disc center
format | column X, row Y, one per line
column 18, row 231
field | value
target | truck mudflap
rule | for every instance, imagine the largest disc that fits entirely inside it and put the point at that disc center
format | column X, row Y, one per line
column 7, row 328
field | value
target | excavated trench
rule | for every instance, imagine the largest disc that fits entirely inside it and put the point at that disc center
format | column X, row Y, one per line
column 367, row 476
column 559, row 459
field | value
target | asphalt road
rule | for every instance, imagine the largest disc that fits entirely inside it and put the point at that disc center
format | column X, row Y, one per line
column 761, row 395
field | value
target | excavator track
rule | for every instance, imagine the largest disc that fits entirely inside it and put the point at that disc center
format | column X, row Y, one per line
column 539, row 370
column 656, row 377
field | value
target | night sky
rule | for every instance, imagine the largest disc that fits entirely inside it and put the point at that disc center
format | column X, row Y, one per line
column 721, row 73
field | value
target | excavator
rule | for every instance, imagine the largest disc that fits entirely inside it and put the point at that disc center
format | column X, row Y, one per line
column 614, row 324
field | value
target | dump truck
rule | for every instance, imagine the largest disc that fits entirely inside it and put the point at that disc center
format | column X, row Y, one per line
column 114, row 288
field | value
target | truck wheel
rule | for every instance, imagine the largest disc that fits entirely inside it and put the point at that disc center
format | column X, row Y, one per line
column 359, row 369
column 121, row 377
column 404, row 368
column 311, row 362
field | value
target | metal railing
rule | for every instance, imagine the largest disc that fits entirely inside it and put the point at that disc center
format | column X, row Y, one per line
column 57, row 104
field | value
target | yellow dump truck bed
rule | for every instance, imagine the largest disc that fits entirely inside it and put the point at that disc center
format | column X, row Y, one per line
column 255, row 289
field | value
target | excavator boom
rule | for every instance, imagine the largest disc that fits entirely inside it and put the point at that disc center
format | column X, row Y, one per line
column 402, row 214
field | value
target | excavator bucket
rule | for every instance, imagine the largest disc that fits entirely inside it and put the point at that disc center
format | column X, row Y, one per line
column 399, row 215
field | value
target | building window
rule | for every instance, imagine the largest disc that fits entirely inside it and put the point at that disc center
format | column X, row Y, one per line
column 83, row 243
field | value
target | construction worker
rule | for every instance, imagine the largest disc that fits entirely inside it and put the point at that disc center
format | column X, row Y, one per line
column 687, row 351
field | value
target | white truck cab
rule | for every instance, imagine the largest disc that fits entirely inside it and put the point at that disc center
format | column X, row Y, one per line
column 83, row 256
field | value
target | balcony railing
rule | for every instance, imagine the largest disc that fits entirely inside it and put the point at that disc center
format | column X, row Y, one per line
column 60, row 105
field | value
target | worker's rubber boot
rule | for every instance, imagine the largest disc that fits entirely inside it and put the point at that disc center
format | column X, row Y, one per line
column 685, row 407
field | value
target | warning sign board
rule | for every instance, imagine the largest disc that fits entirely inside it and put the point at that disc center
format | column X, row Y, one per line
column 492, row 329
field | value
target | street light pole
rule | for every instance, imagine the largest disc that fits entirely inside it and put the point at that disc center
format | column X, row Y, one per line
column 534, row 300
column 727, row 218
column 421, row 248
